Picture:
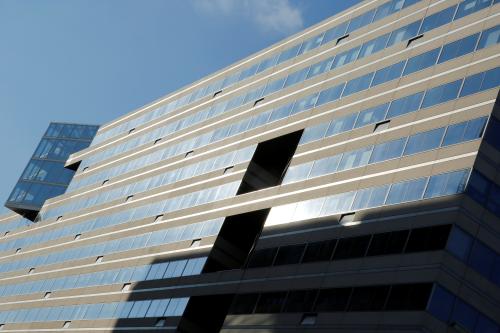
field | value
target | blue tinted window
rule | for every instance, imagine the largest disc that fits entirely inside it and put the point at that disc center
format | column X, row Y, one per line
column 355, row 158
column 441, row 303
column 387, row 150
column 246, row 73
column 304, row 103
column 281, row 112
column 464, row 131
column 489, row 37
column 410, row 3
column 388, row 9
column 436, row 20
column 424, row 141
column 370, row 197
column 325, row 166
column 314, row 133
column 358, row 84
column 492, row 135
column 465, row 315
column 478, row 187
column 320, row 68
column 404, row 33
column 454, row 134
column 459, row 244
column 486, row 325
column 311, row 43
column 491, row 79
column 458, row 48
column 421, row 61
column 406, row 191
column 388, row 73
column 296, row 77
column 341, row 125
column 405, row 105
column 472, row 84
column 446, row 184
column 482, row 258
column 361, row 21
column 267, row 63
column 371, row 115
column 468, row 7
column 274, row 86
column 373, row 46
column 288, row 53
column 330, row 94
column 345, row 57
column 441, row 94
column 335, row 32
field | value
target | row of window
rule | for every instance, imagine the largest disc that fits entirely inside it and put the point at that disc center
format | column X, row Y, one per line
column 18, row 222
column 407, row 104
column 169, row 307
column 411, row 190
column 57, row 149
column 168, row 177
column 47, row 171
column 330, row 35
column 416, row 143
column 489, row 79
column 453, row 50
column 397, row 297
column 73, row 131
column 164, row 270
column 394, row 242
column 34, row 193
column 484, row 191
column 148, row 239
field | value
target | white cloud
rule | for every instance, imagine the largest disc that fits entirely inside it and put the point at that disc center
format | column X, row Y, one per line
column 269, row 15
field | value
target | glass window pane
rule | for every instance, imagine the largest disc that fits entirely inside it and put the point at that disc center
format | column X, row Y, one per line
column 489, row 37
column 404, row 33
column 371, row 115
column 341, row 125
column 468, row 7
column 458, row 48
column 373, row 46
column 387, row 150
column 388, row 73
column 424, row 141
column 441, row 94
column 404, row 105
column 438, row 19
column 421, row 61
column 335, row 32
column 330, row 94
column 296, row 77
column 358, row 84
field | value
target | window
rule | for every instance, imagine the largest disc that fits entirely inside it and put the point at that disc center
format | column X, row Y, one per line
column 361, row 21
column 319, row 251
column 333, row 299
column 406, row 191
column 403, row 33
column 481, row 81
column 314, row 133
column 352, row 247
column 388, row 73
column 304, row 103
column 330, row 94
column 281, row 112
column 262, row 258
column 468, row 7
column 268, row 63
column 325, row 166
column 405, row 105
column 489, row 37
column 270, row 302
column 373, row 46
column 300, row 300
column 388, row 243
column 370, row 197
column 244, row 303
column 311, row 44
column 441, row 303
column 320, row 68
column 345, row 57
column 296, row 77
column 438, row 19
column 387, row 150
column 465, row 315
column 341, row 125
column 355, row 158
column 441, row 94
column 446, row 184
column 335, row 32
column 409, row 297
column 297, row 173
column 458, row 48
column 358, row 84
column 421, row 61
column 424, row 141
column 273, row 86
column 459, row 244
column 288, row 255
column 428, row 239
column 288, row 53
column 482, row 258
column 368, row 298
column 371, row 115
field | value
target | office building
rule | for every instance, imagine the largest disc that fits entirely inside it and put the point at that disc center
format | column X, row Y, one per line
column 345, row 179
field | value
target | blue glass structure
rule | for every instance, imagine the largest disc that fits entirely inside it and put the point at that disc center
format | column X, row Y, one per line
column 45, row 175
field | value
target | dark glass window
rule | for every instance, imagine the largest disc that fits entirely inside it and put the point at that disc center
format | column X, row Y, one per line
column 271, row 302
column 421, row 61
column 465, row 315
column 409, row 297
column 428, row 239
column 289, row 254
column 368, row 298
column 244, row 303
column 320, row 68
column 478, row 187
column 330, row 300
column 436, row 20
column 352, row 247
column 441, row 303
column 441, row 94
column 262, row 258
column 406, row 191
column 460, row 244
column 300, row 300
column 458, row 48
column 388, row 243
column 319, row 251
column 345, row 57
column 482, row 258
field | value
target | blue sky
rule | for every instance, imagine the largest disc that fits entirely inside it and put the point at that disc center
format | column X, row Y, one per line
column 91, row 61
